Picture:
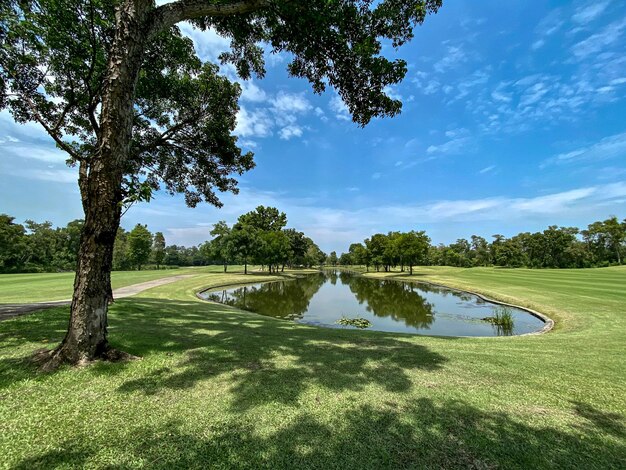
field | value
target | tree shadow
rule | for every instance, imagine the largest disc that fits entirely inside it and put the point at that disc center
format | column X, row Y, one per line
column 21, row 336
column 251, row 350
column 423, row 434
column 610, row 423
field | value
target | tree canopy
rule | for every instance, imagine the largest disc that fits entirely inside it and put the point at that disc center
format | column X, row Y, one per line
column 122, row 92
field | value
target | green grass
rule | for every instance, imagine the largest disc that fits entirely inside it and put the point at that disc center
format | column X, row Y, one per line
column 25, row 288
column 222, row 388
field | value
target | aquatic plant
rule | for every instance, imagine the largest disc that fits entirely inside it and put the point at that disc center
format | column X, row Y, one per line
column 502, row 319
column 356, row 322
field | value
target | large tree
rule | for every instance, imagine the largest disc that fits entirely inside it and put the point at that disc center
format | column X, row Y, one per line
column 158, row 249
column 413, row 247
column 121, row 91
column 14, row 247
column 139, row 246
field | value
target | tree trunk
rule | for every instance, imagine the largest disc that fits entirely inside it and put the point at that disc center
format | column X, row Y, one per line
column 245, row 266
column 225, row 266
column 100, row 183
column 86, row 338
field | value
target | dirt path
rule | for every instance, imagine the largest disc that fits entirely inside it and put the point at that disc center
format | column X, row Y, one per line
column 13, row 310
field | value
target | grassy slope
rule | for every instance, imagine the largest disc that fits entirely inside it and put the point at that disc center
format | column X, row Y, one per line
column 222, row 388
column 24, row 288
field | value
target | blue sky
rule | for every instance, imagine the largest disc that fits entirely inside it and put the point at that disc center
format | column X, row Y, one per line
column 513, row 119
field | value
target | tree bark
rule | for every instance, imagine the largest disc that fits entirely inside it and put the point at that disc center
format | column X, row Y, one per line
column 101, row 191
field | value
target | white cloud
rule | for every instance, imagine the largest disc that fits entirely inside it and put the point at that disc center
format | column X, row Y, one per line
column 609, row 147
column 392, row 92
column 9, row 139
column 599, row 41
column 319, row 112
column 291, row 103
column 36, row 151
column 455, row 55
column 336, row 228
column 257, row 123
column 189, row 236
column 284, row 111
column 533, row 94
column 251, row 92
column 499, row 95
column 208, row 44
column 432, row 87
column 538, row 44
column 425, row 85
column 272, row 59
column 63, row 176
column 288, row 132
column 589, row 12
column 340, row 109
column 550, row 24
column 458, row 143
column 487, row 169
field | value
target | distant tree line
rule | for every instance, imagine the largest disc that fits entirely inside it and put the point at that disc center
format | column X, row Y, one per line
column 602, row 243
column 35, row 247
column 258, row 237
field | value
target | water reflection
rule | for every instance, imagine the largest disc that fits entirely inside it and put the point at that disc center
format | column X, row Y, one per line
column 282, row 299
column 389, row 305
column 398, row 300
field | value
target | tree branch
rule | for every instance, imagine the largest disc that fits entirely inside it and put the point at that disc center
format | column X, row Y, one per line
column 169, row 133
column 169, row 14
column 51, row 132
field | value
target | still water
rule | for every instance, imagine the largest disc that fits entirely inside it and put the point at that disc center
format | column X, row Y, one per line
column 394, row 306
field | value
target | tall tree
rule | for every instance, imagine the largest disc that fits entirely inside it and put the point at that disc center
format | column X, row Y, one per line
column 297, row 246
column 274, row 249
column 413, row 247
column 267, row 219
column 117, row 87
column 120, row 251
column 221, row 245
column 42, row 239
column 244, row 243
column 139, row 246
column 158, row 249
column 14, row 247
column 313, row 255
column 376, row 246
column 480, row 251
column 358, row 254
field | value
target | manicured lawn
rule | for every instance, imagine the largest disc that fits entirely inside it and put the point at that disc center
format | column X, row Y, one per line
column 221, row 388
column 24, row 288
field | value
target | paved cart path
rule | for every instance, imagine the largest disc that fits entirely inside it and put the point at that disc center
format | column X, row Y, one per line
column 13, row 310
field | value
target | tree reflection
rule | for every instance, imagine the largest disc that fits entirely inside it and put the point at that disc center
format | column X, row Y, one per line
column 281, row 299
column 397, row 300
column 405, row 303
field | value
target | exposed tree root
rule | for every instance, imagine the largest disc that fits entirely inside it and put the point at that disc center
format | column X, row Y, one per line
column 48, row 360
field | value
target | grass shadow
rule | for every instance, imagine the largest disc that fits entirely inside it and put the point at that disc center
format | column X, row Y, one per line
column 425, row 434
column 266, row 360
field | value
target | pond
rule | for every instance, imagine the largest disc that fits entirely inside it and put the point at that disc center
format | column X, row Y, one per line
column 394, row 306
